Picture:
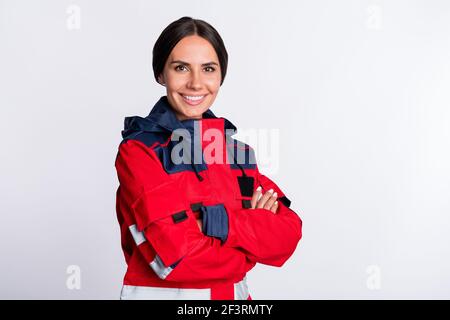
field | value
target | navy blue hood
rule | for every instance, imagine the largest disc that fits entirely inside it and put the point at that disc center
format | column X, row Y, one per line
column 161, row 119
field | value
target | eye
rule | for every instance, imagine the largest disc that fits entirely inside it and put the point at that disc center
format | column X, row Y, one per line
column 211, row 68
column 177, row 67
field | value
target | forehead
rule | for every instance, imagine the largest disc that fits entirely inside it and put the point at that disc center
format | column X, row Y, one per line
column 194, row 49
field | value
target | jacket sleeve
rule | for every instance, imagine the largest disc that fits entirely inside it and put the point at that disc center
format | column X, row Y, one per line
column 265, row 237
column 164, row 227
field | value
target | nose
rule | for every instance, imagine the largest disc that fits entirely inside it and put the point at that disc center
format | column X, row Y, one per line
column 195, row 80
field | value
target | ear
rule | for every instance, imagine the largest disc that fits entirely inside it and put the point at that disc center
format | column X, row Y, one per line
column 161, row 80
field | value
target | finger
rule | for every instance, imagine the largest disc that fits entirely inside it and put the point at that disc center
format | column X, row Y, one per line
column 264, row 199
column 270, row 201
column 255, row 197
column 200, row 224
column 274, row 207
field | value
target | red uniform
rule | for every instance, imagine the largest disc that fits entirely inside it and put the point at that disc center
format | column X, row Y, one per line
column 158, row 200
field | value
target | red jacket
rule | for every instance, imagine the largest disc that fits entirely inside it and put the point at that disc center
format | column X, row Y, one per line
column 158, row 201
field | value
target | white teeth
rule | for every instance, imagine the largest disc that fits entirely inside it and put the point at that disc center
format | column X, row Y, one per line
column 194, row 98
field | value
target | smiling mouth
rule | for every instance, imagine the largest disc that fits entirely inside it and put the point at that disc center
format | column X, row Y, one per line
column 193, row 100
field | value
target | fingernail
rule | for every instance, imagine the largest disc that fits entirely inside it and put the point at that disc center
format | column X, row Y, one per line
column 275, row 194
column 276, row 202
column 270, row 191
column 258, row 189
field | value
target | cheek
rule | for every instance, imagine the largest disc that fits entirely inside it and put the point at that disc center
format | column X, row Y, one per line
column 174, row 78
column 213, row 83
column 175, row 83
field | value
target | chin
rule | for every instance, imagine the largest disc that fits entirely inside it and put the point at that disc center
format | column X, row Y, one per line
column 193, row 111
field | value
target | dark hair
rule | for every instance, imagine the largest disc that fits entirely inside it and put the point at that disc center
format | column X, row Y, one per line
column 177, row 30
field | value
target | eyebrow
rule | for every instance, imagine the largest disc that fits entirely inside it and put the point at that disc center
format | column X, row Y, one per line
column 188, row 64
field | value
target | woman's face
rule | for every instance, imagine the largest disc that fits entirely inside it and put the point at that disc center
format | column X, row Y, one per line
column 192, row 77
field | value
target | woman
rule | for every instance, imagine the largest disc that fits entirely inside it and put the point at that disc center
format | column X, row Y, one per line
column 195, row 213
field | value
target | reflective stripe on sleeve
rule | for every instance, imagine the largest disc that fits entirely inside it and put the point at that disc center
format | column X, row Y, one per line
column 137, row 235
column 160, row 269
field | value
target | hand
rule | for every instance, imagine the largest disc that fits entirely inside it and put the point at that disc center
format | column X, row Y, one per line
column 267, row 201
column 200, row 224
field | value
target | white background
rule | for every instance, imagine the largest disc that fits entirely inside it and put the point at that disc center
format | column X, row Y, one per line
column 358, row 89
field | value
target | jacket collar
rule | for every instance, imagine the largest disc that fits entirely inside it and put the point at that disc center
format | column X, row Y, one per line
column 162, row 119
